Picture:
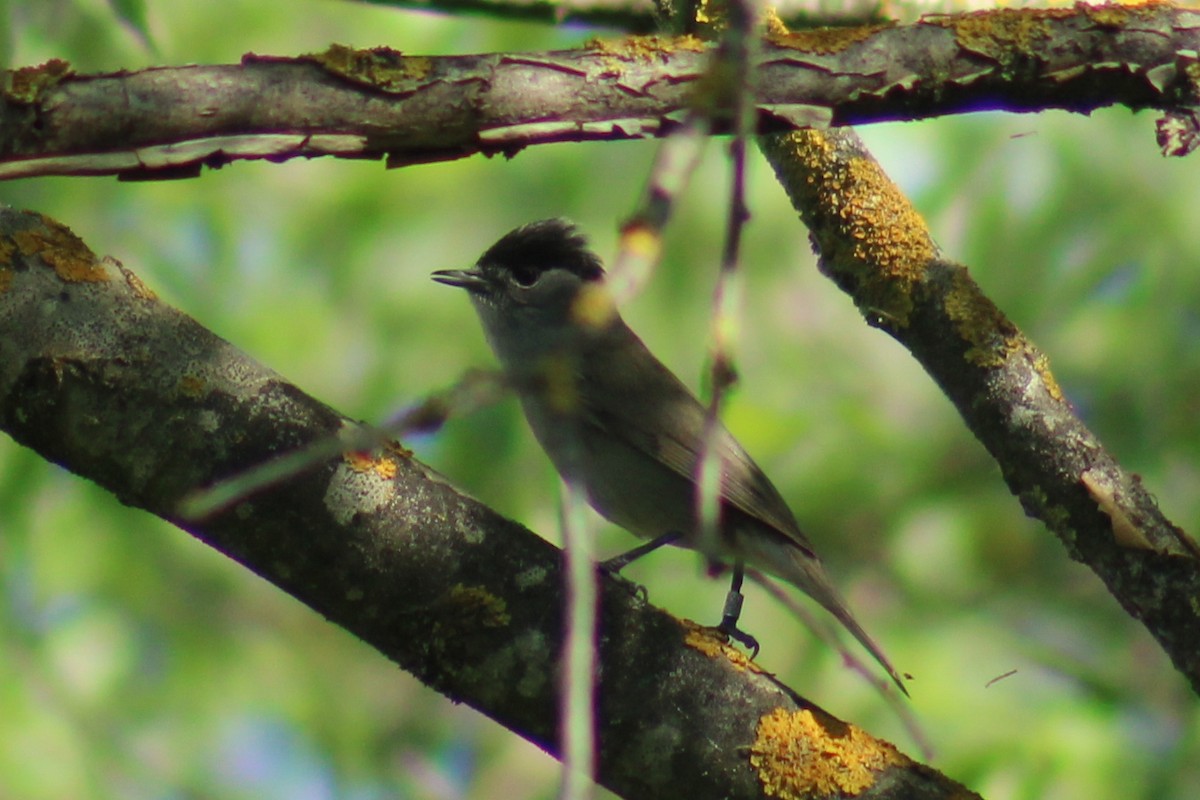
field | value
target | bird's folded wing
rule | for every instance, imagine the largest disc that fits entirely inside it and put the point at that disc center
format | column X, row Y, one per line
column 658, row 416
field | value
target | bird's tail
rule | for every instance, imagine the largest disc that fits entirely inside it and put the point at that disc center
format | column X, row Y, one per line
column 805, row 571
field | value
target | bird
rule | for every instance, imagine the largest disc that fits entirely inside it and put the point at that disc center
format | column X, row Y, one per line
column 615, row 421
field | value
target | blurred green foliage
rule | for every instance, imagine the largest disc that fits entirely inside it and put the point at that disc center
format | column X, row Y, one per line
column 135, row 662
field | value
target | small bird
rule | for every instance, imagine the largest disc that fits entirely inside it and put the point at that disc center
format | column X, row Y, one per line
column 616, row 422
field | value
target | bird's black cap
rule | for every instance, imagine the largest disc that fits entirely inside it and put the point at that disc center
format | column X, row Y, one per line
column 542, row 245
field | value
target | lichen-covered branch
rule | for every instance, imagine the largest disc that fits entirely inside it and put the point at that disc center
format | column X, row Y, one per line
column 169, row 122
column 98, row 375
column 876, row 247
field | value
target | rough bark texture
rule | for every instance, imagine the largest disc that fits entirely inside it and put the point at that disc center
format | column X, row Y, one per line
column 169, row 122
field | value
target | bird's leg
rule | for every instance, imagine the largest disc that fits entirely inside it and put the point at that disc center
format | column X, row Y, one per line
column 614, row 565
column 733, row 610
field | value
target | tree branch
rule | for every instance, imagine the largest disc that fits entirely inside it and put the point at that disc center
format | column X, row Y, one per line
column 99, row 376
column 169, row 122
column 875, row 246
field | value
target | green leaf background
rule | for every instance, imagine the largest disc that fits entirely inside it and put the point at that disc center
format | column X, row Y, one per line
column 136, row 662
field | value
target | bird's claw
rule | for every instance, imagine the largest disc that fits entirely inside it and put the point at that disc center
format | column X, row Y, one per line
column 729, row 628
column 614, row 571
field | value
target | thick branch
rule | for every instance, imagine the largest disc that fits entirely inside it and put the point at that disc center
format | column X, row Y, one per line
column 168, row 122
column 97, row 375
column 875, row 246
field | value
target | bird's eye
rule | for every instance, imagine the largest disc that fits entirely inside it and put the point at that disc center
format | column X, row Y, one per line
column 525, row 276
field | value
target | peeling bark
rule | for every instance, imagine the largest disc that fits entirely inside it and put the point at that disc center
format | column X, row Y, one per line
column 171, row 121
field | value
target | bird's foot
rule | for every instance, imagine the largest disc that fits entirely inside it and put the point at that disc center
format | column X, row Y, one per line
column 614, row 571
column 729, row 619
column 741, row 637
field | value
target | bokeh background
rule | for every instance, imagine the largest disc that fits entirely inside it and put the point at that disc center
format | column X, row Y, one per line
column 137, row 663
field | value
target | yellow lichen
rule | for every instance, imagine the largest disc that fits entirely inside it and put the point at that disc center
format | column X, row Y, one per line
column 710, row 15
column 645, row 49
column 381, row 67
column 888, row 242
column 890, row 232
column 1116, row 15
column 797, row 755
column 712, row 643
column 824, row 41
column 385, row 467
column 63, row 251
column 983, row 326
column 1041, row 365
column 1005, row 34
column 26, row 85
column 6, row 279
column 774, row 23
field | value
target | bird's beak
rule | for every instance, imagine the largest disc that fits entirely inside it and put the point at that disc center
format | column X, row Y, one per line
column 470, row 279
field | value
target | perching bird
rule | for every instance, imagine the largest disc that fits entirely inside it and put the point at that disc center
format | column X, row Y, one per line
column 618, row 423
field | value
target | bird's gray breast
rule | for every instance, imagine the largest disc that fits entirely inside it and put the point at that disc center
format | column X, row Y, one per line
column 624, row 484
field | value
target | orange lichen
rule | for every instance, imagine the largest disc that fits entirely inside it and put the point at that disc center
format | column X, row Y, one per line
column 824, row 41
column 359, row 460
column 712, row 643
column 364, row 461
column 65, row 252
column 797, row 755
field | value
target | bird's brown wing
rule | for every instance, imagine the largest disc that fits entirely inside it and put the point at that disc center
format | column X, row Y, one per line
column 651, row 410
